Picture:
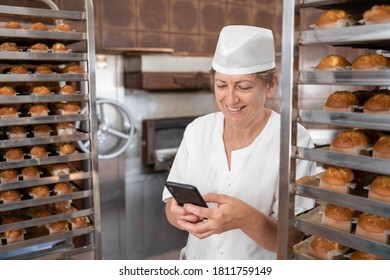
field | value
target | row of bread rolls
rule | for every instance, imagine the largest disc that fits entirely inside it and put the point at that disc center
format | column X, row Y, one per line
column 39, row 90
column 372, row 61
column 38, row 151
column 325, row 249
column 340, row 18
column 42, row 211
column 373, row 102
column 37, row 47
column 38, row 26
column 70, row 68
column 40, row 130
column 40, row 110
column 34, row 172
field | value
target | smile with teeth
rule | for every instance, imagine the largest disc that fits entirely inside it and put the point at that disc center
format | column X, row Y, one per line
column 234, row 109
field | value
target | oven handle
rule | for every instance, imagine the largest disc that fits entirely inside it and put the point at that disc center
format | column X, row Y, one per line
column 104, row 128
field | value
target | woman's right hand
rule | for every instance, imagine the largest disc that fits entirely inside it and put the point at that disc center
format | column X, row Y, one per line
column 175, row 212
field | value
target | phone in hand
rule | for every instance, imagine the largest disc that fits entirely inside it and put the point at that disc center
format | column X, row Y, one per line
column 185, row 193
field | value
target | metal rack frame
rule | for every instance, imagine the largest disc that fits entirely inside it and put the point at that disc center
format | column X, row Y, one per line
column 373, row 36
column 59, row 245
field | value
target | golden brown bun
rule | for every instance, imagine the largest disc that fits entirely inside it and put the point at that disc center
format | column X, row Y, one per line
column 43, row 69
column 19, row 69
column 42, row 213
column 373, row 227
column 381, row 148
column 59, row 169
column 59, row 226
column 336, row 179
column 8, row 175
column 38, row 110
column 63, row 188
column 340, row 101
column 68, row 89
column 378, row 13
column 370, row 61
column 320, row 247
column 12, row 235
column 40, row 47
column 359, row 255
column 65, row 128
column 59, row 47
column 74, row 68
column 77, row 222
column 30, row 172
column 14, row 154
column 40, row 90
column 17, row 129
column 380, row 189
column 64, row 27
column 7, row 91
column 331, row 16
column 378, row 104
column 338, row 217
column 70, row 108
column 41, row 130
column 38, row 26
column 331, row 62
column 38, row 152
column 11, row 195
column 40, row 191
column 350, row 141
column 60, row 206
column 9, row 47
column 67, row 148
column 12, row 25
column 8, row 112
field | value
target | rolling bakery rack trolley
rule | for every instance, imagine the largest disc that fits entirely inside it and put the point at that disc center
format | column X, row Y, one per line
column 54, row 212
column 295, row 81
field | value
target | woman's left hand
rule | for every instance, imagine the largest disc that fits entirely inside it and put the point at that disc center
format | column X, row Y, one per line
column 231, row 213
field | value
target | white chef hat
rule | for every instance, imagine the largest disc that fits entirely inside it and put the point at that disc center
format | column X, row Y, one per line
column 243, row 49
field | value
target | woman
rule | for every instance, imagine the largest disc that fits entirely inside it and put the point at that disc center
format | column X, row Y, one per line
column 232, row 156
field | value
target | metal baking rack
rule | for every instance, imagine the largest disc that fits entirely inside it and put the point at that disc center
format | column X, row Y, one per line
column 38, row 243
column 370, row 37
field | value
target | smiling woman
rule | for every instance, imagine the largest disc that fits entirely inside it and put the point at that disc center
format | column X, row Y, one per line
column 232, row 156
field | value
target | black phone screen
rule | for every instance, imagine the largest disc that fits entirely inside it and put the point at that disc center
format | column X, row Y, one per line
column 184, row 193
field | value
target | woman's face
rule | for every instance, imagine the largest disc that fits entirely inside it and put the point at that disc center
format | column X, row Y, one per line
column 241, row 98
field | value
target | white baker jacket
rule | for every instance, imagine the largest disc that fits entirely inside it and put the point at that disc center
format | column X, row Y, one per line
column 253, row 177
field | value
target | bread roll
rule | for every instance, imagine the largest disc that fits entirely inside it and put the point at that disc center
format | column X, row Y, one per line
column 40, row 90
column 39, row 110
column 74, row 69
column 359, row 255
column 7, row 91
column 38, row 152
column 8, row 112
column 380, row 189
column 59, row 226
column 333, row 62
column 338, row 217
column 59, row 169
column 41, row 130
column 77, row 222
column 67, row 89
column 9, row 176
column 340, row 101
column 11, row 196
column 377, row 104
column 70, row 108
column 64, row 27
column 39, row 47
column 38, row 26
column 381, row 148
column 19, row 69
column 377, row 14
column 12, row 25
column 14, row 154
column 332, row 19
column 336, row 179
column 373, row 227
column 30, row 172
column 14, row 235
column 65, row 128
column 325, row 249
column 370, row 62
column 16, row 132
column 350, row 142
column 43, row 69
column 9, row 47
column 62, row 188
column 40, row 191
column 59, row 47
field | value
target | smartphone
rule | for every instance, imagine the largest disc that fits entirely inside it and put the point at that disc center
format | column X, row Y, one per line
column 184, row 193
